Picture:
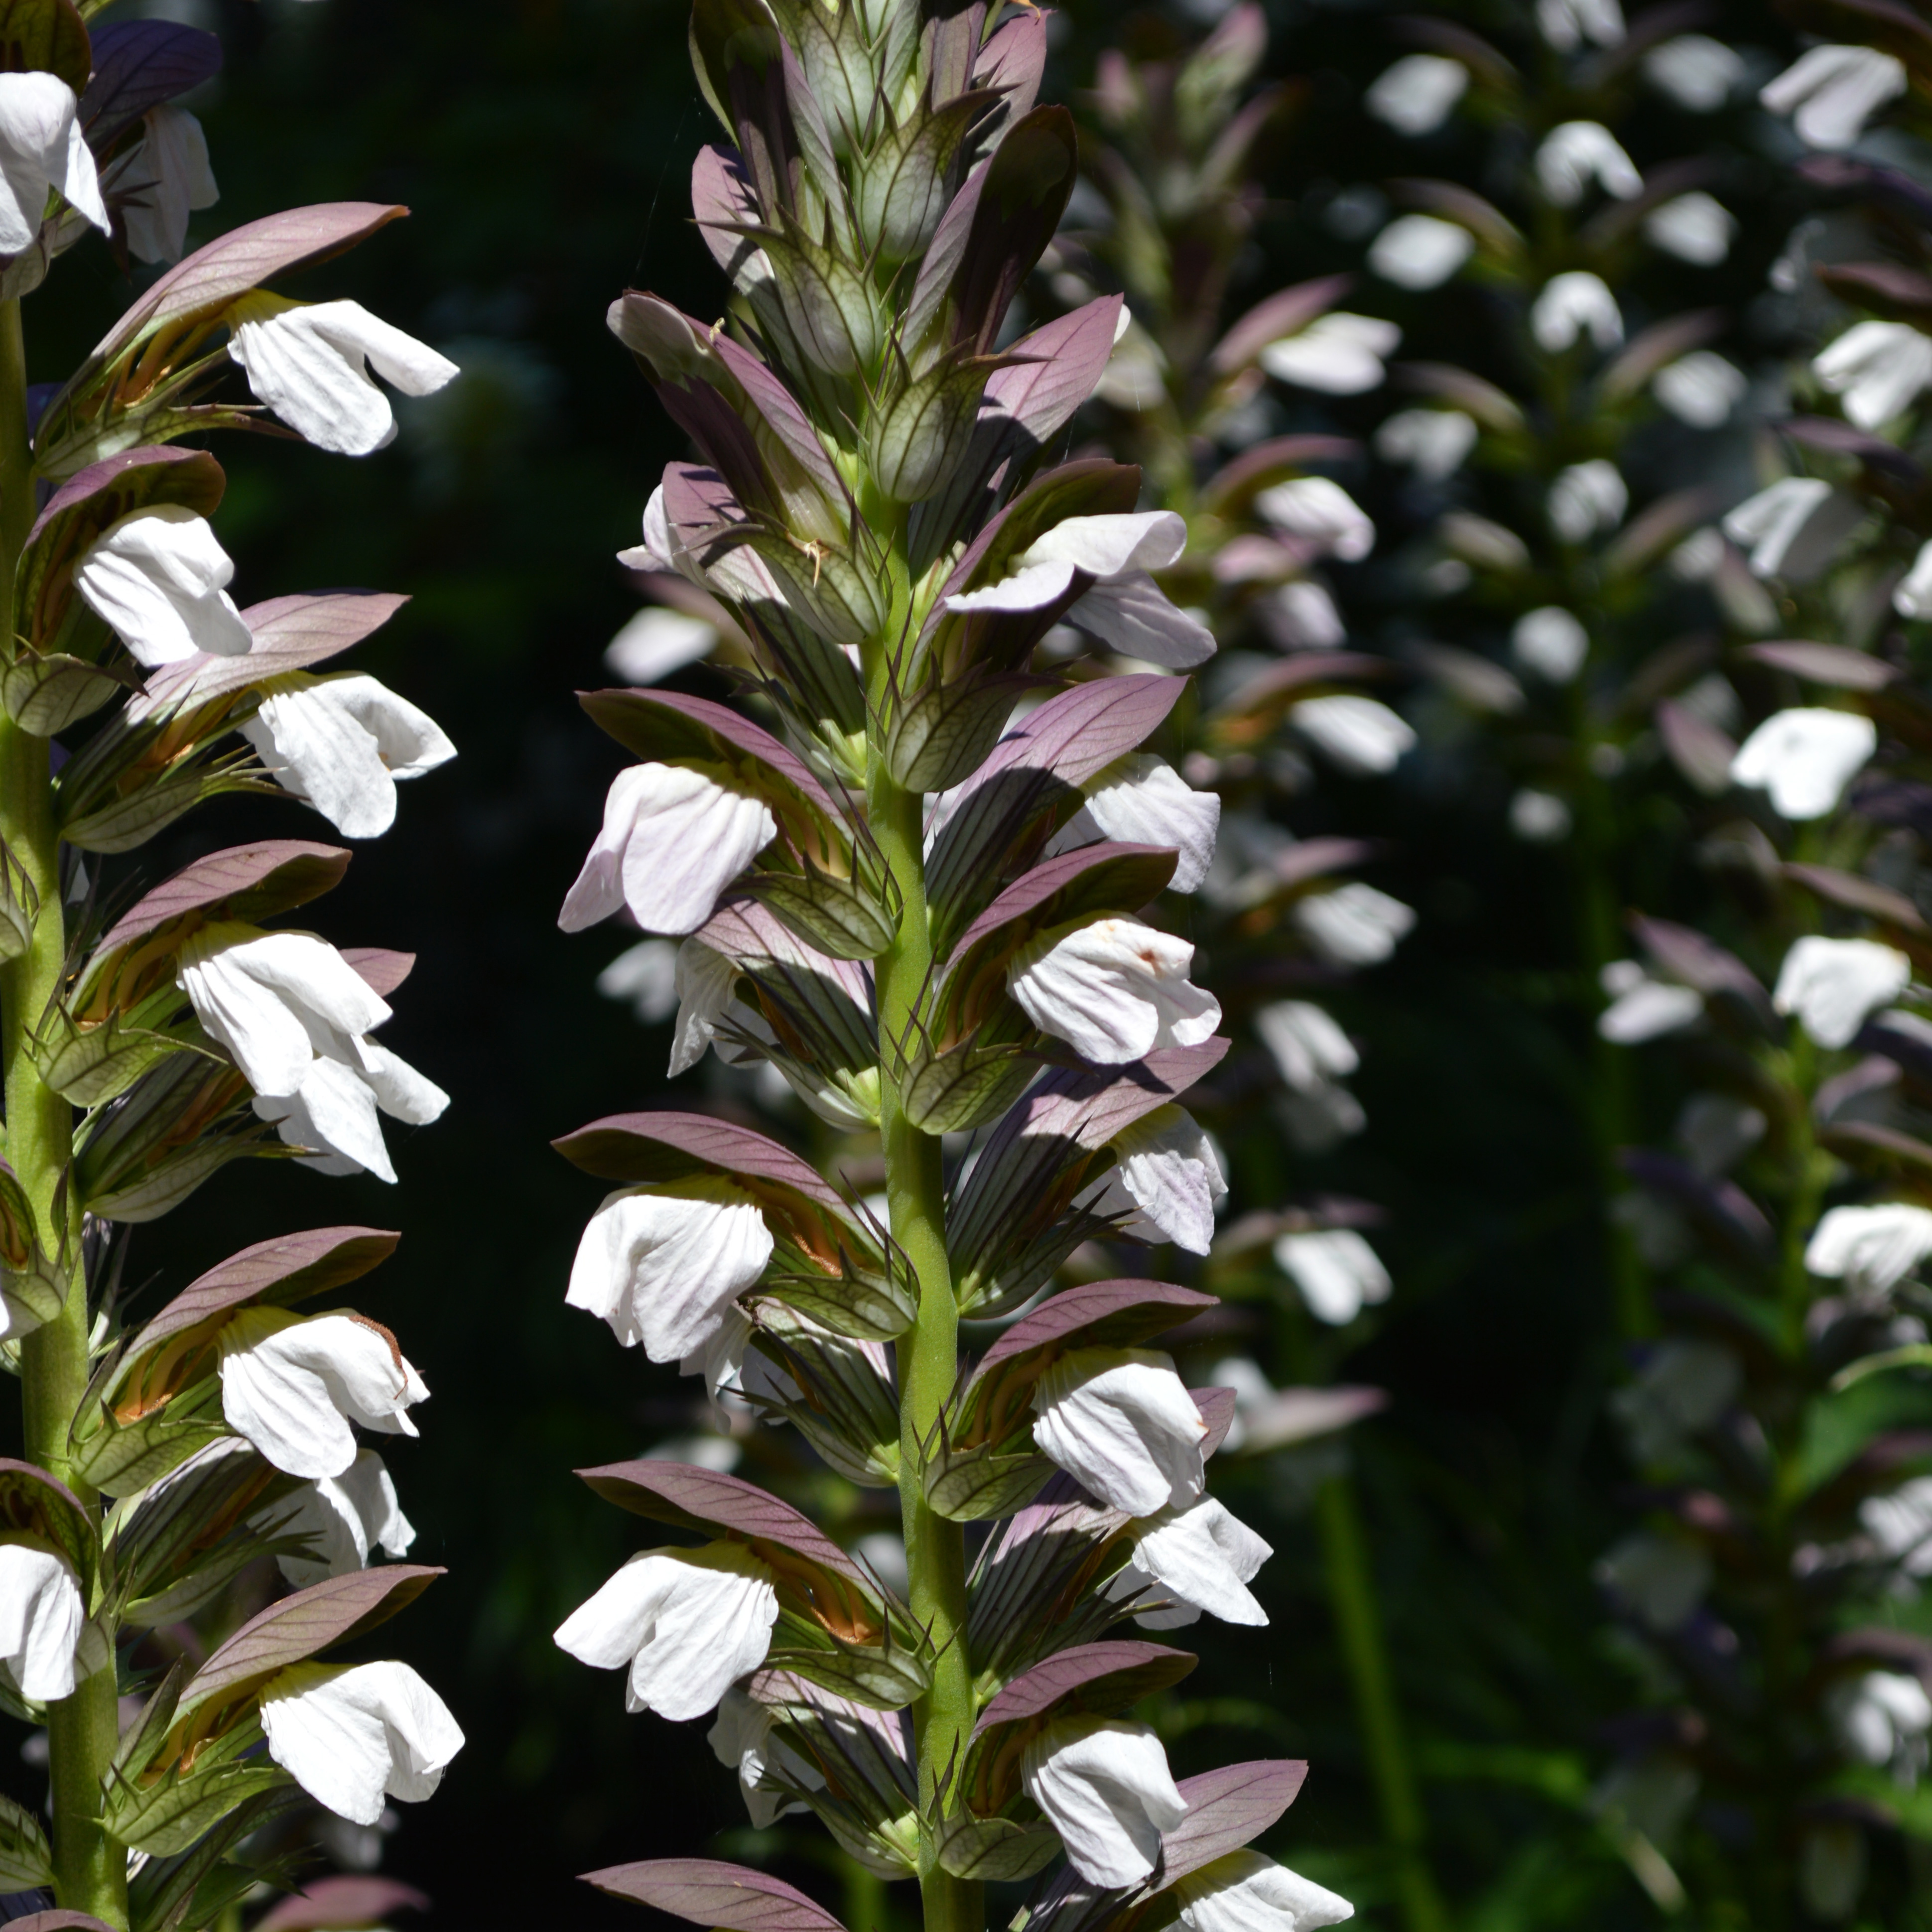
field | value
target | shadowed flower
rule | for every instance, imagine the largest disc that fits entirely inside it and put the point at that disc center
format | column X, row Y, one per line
column 1141, row 800
column 1202, row 1556
column 1872, row 1248
column 343, row 1518
column 1338, row 354
column 1338, row 1273
column 1166, row 1181
column 1877, row 369
column 1831, row 92
column 160, row 181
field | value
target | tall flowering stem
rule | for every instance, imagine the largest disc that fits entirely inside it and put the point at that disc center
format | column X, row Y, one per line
column 920, row 873
column 198, row 1463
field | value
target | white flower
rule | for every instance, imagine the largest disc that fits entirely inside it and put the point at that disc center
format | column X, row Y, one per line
column 1794, row 528
column 1104, row 1785
column 1420, row 251
column 309, row 363
column 1878, row 367
column 1202, row 1556
column 1360, row 735
column 41, row 1613
column 1913, row 597
column 1567, row 24
column 1831, row 984
column 1832, row 91
column 41, row 149
column 343, row 1518
column 353, row 1735
column 1804, row 758
column 1302, row 616
column 1700, row 388
column 705, row 982
column 1642, row 1008
column 673, row 838
column 1586, row 498
column 644, row 976
column 340, row 742
column 1113, row 989
column 1338, row 1273
column 1552, row 642
column 1121, row 1424
column 157, row 577
column 295, row 1015
column 1539, row 818
column 1573, row 304
column 1696, row 72
column 1900, row 1524
column 1661, row 1581
column 1417, row 93
column 161, row 181
column 1242, row 1892
column 1433, row 442
column 1717, row 1131
column 1141, row 800
column 1872, row 1248
column 657, row 642
column 1355, row 925
column 1882, row 1718
column 1695, row 227
column 1123, row 607
column 662, row 1266
column 1166, row 1181
column 1320, row 511
column 293, row 1385
column 741, row 1739
column 1578, row 152
column 1338, row 354
column 689, row 1623
column 1309, row 1049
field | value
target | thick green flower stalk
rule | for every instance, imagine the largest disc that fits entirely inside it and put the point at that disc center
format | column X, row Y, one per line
column 152, row 1032
column 924, row 883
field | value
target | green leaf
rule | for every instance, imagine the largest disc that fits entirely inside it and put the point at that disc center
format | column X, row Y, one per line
column 125, row 1457
column 167, row 1816
column 967, row 1086
column 976, row 1485
column 838, row 916
column 43, row 695
column 89, row 1065
column 995, row 1848
column 26, row 1859
column 46, row 37
column 943, row 735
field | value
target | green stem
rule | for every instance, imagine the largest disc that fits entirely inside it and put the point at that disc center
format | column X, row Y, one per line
column 90, row 1868
column 928, row 1356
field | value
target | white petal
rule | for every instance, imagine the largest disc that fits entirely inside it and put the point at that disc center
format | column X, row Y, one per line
column 1587, row 498
column 1141, row 800
column 1104, row 1785
column 1337, row 1272
column 1696, row 72
column 1552, row 642
column 656, row 643
column 1795, row 528
column 1167, row 1181
column 1417, row 93
column 351, row 1737
column 1031, row 589
column 41, row 1613
column 1360, row 735
column 1833, row 90
column 1137, row 618
column 1107, row 546
column 1309, row 1049
column 1875, row 1248
column 705, row 982
column 1113, row 989
column 157, row 577
column 1433, row 442
column 1119, row 1421
column 1804, row 758
column 170, row 177
column 1242, row 1892
column 1338, row 354
column 1878, row 367
column 1573, row 304
column 1700, row 388
column 1578, row 152
column 1355, row 925
column 1316, row 507
column 1695, row 228
column 1832, row 985
column 1204, row 1556
column 1913, row 597
column 344, row 1517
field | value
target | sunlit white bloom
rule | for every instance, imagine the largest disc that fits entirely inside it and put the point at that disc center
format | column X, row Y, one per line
column 1882, row 1718
column 1587, row 498
column 340, row 743
column 42, row 149
column 1578, row 152
column 1121, row 1424
column 1322, row 512
column 1660, row 1580
column 41, row 1613
column 1572, row 305
column 1420, row 251
column 1104, row 1785
column 662, row 1264
column 1142, row 800
column 1877, row 368
column 656, row 643
column 1913, row 596
column 741, row 1739
column 673, row 838
column 1552, row 642
column 1695, row 227
column 1360, row 735
column 687, row 1623
column 1417, row 93
column 157, row 577
column 1309, row 1050
column 1831, row 92
column 1795, row 528
column 310, row 363
column 1539, row 818
column 293, row 1384
column 343, row 1518
column 1695, row 71
column 1831, row 984
column 1355, row 925
column 1900, row 1524
column 1872, row 1248
column 353, row 1735
column 1642, row 1008
column 1202, row 1556
column 1302, row 616
column 1166, row 1181
column 1567, row 24
column 295, row 1017
column 1338, row 354
column 1242, row 1892
column 1338, row 1273
column 1701, row 388
column 161, row 181
column 1432, row 443
column 1122, row 606
column 1804, row 758
column 1112, row 988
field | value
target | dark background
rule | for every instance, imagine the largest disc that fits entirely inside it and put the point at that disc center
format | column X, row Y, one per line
column 544, row 149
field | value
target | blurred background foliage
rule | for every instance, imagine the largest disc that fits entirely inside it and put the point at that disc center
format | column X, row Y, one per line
column 544, row 147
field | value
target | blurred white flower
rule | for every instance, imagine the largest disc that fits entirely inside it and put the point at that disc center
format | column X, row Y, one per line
column 1900, row 1524
column 1696, row 72
column 1309, row 1050
column 1872, row 1248
column 1795, row 528
column 1832, row 91
column 1417, row 93
column 1913, row 596
column 1432, row 443
column 1587, row 498
column 1882, row 1718
column 1539, row 818
column 1550, row 641
column 1662, row 1582
column 1571, row 305
column 1419, row 251
column 1715, row 1131
column 1302, row 616
column 1322, row 512
column 1695, row 227
column 656, row 643
column 645, row 976
column 1338, row 354
column 1361, row 735
column 1355, row 925
column 1338, row 1273
column 1804, row 758
column 1578, row 152
column 1567, row 24
column 1831, row 984
column 1700, row 388
column 1642, row 1008
column 1878, row 368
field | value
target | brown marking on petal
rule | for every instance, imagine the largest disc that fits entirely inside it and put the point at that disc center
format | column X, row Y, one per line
column 395, row 1348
